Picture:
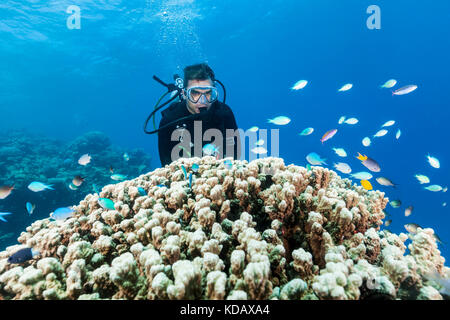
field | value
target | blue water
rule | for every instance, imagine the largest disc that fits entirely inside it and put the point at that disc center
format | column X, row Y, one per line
column 63, row 83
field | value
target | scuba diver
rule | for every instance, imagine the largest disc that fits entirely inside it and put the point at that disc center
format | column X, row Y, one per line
column 189, row 124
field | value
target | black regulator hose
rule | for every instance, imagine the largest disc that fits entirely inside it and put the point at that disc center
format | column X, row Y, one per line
column 171, row 88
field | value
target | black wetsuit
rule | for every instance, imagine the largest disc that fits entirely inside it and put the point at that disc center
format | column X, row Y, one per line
column 220, row 116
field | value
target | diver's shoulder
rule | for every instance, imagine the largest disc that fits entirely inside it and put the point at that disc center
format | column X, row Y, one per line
column 224, row 107
column 173, row 110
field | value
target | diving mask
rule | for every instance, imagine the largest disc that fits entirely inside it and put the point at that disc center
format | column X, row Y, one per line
column 207, row 94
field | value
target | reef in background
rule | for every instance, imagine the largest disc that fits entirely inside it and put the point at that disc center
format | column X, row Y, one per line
column 258, row 230
column 26, row 157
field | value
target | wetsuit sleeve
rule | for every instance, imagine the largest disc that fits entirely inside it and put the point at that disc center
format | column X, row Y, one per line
column 164, row 143
column 230, row 123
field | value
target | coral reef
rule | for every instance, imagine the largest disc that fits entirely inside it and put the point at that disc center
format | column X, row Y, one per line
column 27, row 157
column 260, row 230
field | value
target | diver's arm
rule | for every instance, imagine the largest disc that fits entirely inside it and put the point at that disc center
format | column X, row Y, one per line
column 230, row 123
column 164, row 143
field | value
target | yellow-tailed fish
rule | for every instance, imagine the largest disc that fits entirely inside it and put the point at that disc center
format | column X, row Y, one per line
column 341, row 119
column 369, row 163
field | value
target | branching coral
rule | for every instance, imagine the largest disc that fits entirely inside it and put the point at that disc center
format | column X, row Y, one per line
column 258, row 230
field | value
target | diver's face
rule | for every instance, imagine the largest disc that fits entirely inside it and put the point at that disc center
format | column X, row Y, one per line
column 201, row 103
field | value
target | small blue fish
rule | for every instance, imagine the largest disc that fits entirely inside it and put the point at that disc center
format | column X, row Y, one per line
column 210, row 149
column 106, row 203
column 280, row 120
column 36, row 186
column 228, row 164
column 23, row 255
column 161, row 185
column 190, row 180
column 184, row 171
column 30, row 207
column 362, row 175
column 118, row 177
column 95, row 188
column 195, row 167
column 4, row 214
column 62, row 213
column 142, row 191
column 314, row 159
column 126, row 157
column 308, row 166
column 73, row 187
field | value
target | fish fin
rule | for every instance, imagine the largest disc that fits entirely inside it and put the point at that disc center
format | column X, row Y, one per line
column 3, row 219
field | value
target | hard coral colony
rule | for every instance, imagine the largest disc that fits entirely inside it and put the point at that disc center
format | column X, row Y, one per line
column 237, row 233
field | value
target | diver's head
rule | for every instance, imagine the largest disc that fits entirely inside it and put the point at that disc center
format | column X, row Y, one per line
column 199, row 87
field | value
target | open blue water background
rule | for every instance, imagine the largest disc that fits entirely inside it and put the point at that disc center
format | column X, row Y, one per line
column 63, row 83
